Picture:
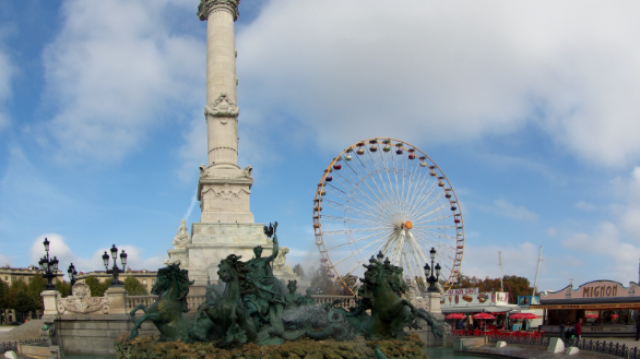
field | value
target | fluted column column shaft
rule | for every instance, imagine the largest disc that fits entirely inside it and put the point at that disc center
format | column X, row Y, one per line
column 221, row 55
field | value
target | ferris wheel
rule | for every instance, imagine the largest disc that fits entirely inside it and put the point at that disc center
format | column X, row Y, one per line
column 385, row 195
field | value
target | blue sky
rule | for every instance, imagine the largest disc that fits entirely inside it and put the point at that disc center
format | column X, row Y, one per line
column 530, row 109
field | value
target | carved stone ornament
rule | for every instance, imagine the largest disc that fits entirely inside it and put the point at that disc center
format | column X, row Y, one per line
column 206, row 7
column 226, row 192
column 182, row 237
column 222, row 107
column 82, row 302
column 279, row 263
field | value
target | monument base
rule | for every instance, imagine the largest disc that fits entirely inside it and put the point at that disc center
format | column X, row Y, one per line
column 212, row 242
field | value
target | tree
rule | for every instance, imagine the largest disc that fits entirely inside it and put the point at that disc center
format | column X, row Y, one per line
column 4, row 297
column 36, row 286
column 298, row 270
column 97, row 288
column 64, row 288
column 134, row 287
column 321, row 279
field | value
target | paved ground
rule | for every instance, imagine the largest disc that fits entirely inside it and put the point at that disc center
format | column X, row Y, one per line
column 531, row 352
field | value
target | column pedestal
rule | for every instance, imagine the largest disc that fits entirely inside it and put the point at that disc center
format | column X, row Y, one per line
column 434, row 302
column 117, row 300
column 50, row 298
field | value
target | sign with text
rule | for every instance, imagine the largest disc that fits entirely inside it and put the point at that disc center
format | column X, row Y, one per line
column 468, row 297
column 596, row 289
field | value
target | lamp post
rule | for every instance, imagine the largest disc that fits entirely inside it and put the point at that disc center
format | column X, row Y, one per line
column 432, row 273
column 72, row 276
column 48, row 266
column 115, row 270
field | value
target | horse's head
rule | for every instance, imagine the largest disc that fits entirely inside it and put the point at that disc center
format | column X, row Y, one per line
column 384, row 276
column 172, row 279
column 231, row 268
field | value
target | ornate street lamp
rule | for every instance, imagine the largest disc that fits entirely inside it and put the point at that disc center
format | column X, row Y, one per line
column 115, row 270
column 72, row 276
column 48, row 266
column 432, row 273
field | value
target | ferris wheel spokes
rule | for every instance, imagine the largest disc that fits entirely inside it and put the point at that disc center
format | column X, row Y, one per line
column 381, row 191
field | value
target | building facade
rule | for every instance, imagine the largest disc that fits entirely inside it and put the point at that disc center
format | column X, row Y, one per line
column 146, row 277
column 606, row 308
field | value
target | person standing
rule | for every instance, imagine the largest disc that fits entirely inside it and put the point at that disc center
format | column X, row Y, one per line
column 637, row 329
column 578, row 329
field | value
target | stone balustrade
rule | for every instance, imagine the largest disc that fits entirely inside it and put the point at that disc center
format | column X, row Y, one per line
column 196, row 300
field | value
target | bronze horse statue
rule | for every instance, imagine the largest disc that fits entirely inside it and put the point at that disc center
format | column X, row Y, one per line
column 381, row 294
column 228, row 312
column 172, row 287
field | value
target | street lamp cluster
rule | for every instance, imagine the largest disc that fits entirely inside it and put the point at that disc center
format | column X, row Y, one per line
column 432, row 273
column 50, row 267
column 115, row 270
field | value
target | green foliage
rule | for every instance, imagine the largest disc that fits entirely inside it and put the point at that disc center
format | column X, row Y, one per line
column 23, row 303
column 299, row 271
column 64, row 288
column 16, row 287
column 36, row 286
column 134, row 287
column 321, row 279
column 4, row 296
column 97, row 288
column 514, row 285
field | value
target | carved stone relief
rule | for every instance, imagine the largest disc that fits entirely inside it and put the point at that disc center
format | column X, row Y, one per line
column 222, row 107
column 225, row 192
column 82, row 302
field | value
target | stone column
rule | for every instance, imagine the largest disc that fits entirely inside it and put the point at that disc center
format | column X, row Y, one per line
column 50, row 298
column 117, row 297
column 434, row 302
column 221, row 111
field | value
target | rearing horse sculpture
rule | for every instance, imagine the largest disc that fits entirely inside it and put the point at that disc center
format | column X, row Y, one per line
column 172, row 287
column 228, row 312
column 381, row 294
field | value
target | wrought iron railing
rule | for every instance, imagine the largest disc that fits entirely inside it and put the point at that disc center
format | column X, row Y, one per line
column 521, row 340
column 610, row 348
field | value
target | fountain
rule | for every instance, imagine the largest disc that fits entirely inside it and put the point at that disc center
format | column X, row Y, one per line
column 256, row 316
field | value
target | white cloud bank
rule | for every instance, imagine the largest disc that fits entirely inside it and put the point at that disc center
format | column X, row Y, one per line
column 443, row 72
column 117, row 70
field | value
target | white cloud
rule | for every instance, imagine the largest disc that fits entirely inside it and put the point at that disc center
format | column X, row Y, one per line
column 483, row 261
column 627, row 189
column 551, row 232
column 117, row 70
column 584, row 206
column 505, row 208
column 451, row 72
column 618, row 258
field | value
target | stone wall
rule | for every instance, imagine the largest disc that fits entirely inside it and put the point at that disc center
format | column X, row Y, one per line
column 94, row 334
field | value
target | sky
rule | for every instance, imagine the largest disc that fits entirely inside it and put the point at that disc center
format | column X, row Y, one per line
column 529, row 108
